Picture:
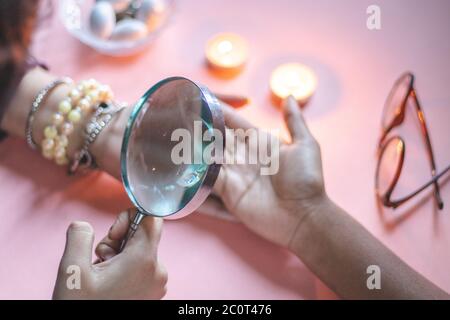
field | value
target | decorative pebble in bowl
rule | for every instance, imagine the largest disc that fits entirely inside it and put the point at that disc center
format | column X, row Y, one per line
column 116, row 27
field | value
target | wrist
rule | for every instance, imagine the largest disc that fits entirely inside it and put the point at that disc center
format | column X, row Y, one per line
column 311, row 215
column 106, row 149
column 17, row 111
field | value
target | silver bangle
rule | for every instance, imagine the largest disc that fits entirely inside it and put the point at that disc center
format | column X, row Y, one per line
column 101, row 118
column 40, row 97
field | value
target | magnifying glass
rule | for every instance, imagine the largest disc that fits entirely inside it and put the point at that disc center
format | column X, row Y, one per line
column 166, row 169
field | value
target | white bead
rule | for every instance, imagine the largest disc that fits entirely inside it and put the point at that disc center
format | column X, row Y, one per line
column 74, row 116
column 65, row 106
column 67, row 128
column 105, row 93
column 48, row 144
column 57, row 119
column 61, row 161
column 61, row 141
column 80, row 87
column 93, row 96
column 50, row 132
column 60, row 152
column 48, row 154
column 84, row 104
column 75, row 95
column 92, row 84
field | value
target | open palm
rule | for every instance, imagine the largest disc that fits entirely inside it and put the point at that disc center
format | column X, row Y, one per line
column 273, row 205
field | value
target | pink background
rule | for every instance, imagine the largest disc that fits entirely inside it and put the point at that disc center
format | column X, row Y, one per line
column 210, row 258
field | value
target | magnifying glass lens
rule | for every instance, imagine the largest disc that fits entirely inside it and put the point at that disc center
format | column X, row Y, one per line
column 165, row 164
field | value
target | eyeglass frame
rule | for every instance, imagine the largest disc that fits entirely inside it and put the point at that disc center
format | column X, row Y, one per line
column 384, row 142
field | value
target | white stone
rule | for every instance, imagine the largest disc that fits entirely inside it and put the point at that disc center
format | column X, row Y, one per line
column 152, row 12
column 129, row 30
column 102, row 19
column 119, row 5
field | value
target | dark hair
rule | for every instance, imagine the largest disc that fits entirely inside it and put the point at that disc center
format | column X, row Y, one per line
column 17, row 21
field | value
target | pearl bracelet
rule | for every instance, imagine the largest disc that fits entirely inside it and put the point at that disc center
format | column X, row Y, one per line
column 80, row 101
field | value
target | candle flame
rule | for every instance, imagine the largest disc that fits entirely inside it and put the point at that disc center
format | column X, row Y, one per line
column 293, row 79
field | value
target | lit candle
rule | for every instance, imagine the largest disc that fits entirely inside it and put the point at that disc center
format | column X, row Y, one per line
column 293, row 79
column 227, row 53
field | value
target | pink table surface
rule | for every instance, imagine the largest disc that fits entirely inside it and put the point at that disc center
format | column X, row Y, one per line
column 209, row 258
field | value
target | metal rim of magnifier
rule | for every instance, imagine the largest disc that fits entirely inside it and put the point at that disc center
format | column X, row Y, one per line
column 213, row 170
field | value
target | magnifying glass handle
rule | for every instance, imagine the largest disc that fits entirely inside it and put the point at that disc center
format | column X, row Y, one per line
column 132, row 229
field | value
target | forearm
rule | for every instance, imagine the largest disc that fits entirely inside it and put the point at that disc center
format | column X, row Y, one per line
column 338, row 250
column 106, row 149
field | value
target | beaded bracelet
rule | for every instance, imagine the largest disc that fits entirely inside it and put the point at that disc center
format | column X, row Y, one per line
column 80, row 101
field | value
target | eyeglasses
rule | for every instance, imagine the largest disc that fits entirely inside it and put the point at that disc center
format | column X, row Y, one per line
column 391, row 149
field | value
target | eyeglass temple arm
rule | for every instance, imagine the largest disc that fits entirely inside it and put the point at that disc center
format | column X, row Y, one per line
column 426, row 185
column 420, row 115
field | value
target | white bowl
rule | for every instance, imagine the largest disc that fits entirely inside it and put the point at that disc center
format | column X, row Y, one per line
column 74, row 15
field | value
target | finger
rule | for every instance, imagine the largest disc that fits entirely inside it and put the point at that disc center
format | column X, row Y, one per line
column 221, row 191
column 119, row 228
column 233, row 120
column 236, row 101
column 105, row 251
column 142, row 248
column 79, row 242
column 220, row 183
column 294, row 120
column 152, row 228
column 110, row 244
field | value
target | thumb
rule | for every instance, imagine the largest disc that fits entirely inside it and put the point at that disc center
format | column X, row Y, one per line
column 79, row 242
